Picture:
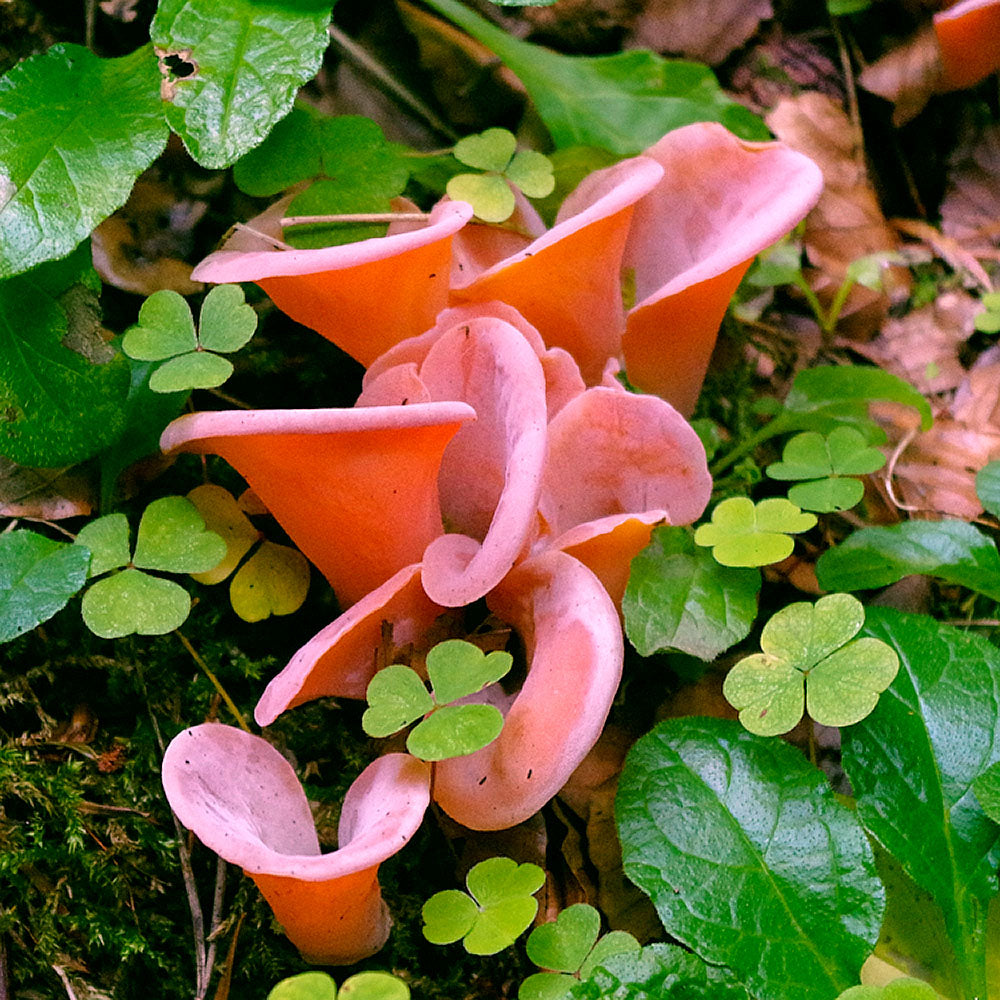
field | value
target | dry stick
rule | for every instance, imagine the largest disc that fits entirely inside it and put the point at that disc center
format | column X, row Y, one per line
column 187, row 872
column 217, row 900
column 268, row 239
column 223, row 693
column 61, row 973
column 367, row 62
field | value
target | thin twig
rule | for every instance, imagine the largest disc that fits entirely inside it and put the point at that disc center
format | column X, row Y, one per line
column 328, row 220
column 973, row 622
column 851, row 87
column 274, row 241
column 231, row 400
column 213, row 935
column 61, row 973
column 4, row 975
column 891, row 468
column 223, row 693
column 367, row 62
column 52, row 525
column 89, row 17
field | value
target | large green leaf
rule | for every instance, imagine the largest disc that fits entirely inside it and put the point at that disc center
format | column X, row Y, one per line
column 748, row 857
column 38, row 576
column 77, row 130
column 912, row 764
column 875, row 557
column 624, row 102
column 59, row 407
column 249, row 57
column 679, row 597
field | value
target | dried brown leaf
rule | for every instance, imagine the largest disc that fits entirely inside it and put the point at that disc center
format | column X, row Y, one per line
column 970, row 212
column 908, row 75
column 47, row 494
column 705, row 30
column 120, row 10
column 847, row 222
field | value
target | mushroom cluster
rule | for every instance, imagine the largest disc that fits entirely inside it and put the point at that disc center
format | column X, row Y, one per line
column 492, row 454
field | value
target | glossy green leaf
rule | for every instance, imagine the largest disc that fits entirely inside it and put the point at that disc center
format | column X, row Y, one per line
column 132, row 601
column 77, row 131
column 455, row 731
column 38, row 576
column 172, row 537
column 988, row 487
column 532, row 172
column 742, row 533
column 305, row 986
column 396, row 697
column 292, row 152
column 107, row 539
column 563, row 944
column 875, row 557
column 489, row 150
column 457, row 668
column 624, row 102
column 490, row 196
column 374, row 985
column 165, row 328
column 987, row 789
column 328, row 197
column 679, row 597
column 825, row 496
column 59, row 407
column 912, row 764
column 811, row 646
column 197, row 370
column 749, row 858
column 248, row 60
column 500, row 910
column 226, row 323
column 843, row 452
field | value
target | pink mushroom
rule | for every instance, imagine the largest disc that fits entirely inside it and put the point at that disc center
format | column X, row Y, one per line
column 241, row 799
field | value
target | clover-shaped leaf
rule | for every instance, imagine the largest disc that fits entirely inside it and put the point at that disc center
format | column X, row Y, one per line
column 987, row 789
column 742, row 533
column 497, row 910
column 868, row 270
column 811, row 646
column 904, row 988
column 305, row 986
column 569, row 946
column 489, row 193
column 166, row 333
column 397, row 696
column 374, row 985
column 172, row 538
column 989, row 320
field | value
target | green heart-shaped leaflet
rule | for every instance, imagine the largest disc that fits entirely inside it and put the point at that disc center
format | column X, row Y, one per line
column 448, row 916
column 195, row 370
column 742, row 533
column 532, row 172
column 489, row 150
column 374, row 985
column 454, row 731
column 844, row 687
column 132, row 601
column 172, row 537
column 165, row 328
column 108, row 541
column 226, row 323
column 827, row 495
column 457, row 668
column 396, row 697
column 903, row 988
column 563, row 944
column 546, row 986
column 489, row 195
column 305, row 986
column 505, row 892
column 843, row 452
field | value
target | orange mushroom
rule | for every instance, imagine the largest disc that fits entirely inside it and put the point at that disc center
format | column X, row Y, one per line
column 241, row 799
column 968, row 34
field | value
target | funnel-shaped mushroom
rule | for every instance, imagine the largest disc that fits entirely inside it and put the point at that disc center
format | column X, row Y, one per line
column 567, row 283
column 242, row 799
column 355, row 489
column 721, row 201
column 968, row 34
column 573, row 638
column 364, row 296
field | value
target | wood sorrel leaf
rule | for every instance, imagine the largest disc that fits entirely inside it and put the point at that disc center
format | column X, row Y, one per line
column 77, row 132
column 172, row 537
column 811, row 645
column 374, row 986
column 38, row 576
column 490, row 196
column 165, row 328
column 904, row 988
column 226, row 323
column 875, row 557
column 131, row 601
column 679, row 597
column 912, row 764
column 455, row 731
column 743, row 533
column 305, row 986
column 59, row 407
column 244, row 60
column 827, row 495
column 810, row 455
column 273, row 581
column 988, row 487
column 489, row 150
column 222, row 514
column 197, row 370
column 623, row 102
column 448, row 916
column 396, row 697
column 749, row 858
column 107, row 539
column 457, row 668
column 564, row 943
column 533, row 173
